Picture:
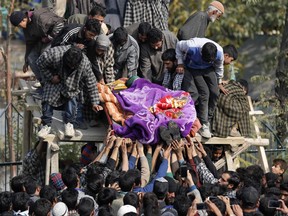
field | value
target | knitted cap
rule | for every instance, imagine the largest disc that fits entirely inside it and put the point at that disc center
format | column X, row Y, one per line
column 102, row 41
column 16, row 17
column 218, row 5
column 56, row 181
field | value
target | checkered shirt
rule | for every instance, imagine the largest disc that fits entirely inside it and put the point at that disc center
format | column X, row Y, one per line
column 106, row 64
column 155, row 12
column 32, row 166
column 172, row 81
column 50, row 63
column 231, row 109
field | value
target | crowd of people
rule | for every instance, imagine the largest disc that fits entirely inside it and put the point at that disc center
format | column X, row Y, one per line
column 75, row 57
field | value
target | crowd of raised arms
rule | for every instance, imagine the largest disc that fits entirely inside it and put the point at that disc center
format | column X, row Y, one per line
column 75, row 56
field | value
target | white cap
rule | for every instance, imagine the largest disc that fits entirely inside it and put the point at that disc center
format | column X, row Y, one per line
column 60, row 209
column 126, row 209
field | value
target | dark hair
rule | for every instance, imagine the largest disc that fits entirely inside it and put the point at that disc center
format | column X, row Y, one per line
column 93, row 26
column 85, row 206
column 30, row 185
column 231, row 51
column 220, row 205
column 150, row 204
column 106, row 196
column 17, row 183
column 245, row 84
column 5, row 201
column 130, row 214
column 263, row 207
column 284, row 186
column 94, row 185
column 144, row 28
column 212, row 190
column 69, row 197
column 281, row 162
column 97, row 10
column 20, row 201
column 105, row 211
column 169, row 55
column 41, row 207
column 154, row 36
column 120, row 35
column 271, row 179
column 128, row 179
column 70, row 177
column 112, row 178
column 234, row 179
column 131, row 198
column 48, row 192
column 209, row 52
column 182, row 204
column 72, row 57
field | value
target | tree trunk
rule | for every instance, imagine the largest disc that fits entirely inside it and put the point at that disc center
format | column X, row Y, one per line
column 281, row 86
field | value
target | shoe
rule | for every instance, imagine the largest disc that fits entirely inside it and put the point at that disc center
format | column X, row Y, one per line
column 165, row 135
column 174, row 130
column 36, row 85
column 205, row 131
column 69, row 130
column 45, row 130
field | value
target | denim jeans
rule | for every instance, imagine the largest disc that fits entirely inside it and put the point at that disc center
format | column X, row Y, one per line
column 70, row 111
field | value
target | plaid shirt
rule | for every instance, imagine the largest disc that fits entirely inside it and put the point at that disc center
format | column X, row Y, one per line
column 231, row 109
column 172, row 81
column 50, row 63
column 205, row 175
column 154, row 12
column 32, row 166
column 102, row 65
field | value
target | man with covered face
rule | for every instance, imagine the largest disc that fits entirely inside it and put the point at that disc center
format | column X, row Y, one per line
column 101, row 56
column 150, row 62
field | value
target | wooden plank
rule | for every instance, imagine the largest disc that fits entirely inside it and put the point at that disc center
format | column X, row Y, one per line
column 221, row 141
column 261, row 150
column 27, row 133
column 229, row 161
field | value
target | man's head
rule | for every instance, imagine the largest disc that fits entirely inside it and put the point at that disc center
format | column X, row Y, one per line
column 155, row 39
column 70, row 177
column 5, row 201
column 91, row 29
column 72, row 58
column 169, row 60
column 120, row 36
column 86, row 206
column 20, row 201
column 230, row 54
column 60, row 209
column 160, row 188
column 279, row 166
column 102, row 44
column 69, row 197
column 42, row 207
column 172, row 190
column 31, row 186
column 49, row 192
column 215, row 10
column 209, row 52
column 284, row 192
column 249, row 198
column 19, row 18
column 132, row 199
column 230, row 179
column 143, row 29
column 17, row 183
column 130, row 179
column 97, row 13
column 106, row 196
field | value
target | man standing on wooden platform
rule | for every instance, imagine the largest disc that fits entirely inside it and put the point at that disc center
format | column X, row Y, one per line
column 67, row 71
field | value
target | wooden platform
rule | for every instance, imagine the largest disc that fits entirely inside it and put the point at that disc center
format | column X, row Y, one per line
column 32, row 114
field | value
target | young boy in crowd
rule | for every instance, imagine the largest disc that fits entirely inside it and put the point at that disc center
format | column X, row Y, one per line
column 279, row 166
column 172, row 79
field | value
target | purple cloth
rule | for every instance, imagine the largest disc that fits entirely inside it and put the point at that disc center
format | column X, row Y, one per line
column 144, row 125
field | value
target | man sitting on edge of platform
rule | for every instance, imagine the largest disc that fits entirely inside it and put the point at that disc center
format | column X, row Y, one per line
column 67, row 71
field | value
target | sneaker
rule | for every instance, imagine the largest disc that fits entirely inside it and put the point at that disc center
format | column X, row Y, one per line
column 45, row 130
column 205, row 131
column 69, row 130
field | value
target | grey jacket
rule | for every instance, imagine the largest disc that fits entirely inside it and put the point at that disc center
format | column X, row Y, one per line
column 195, row 26
column 151, row 64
